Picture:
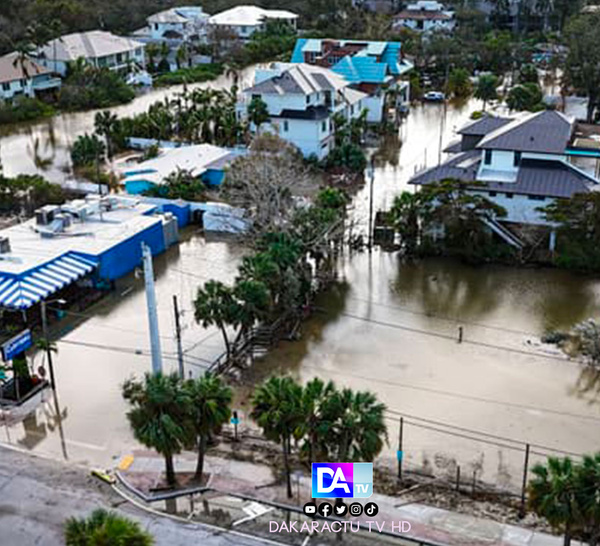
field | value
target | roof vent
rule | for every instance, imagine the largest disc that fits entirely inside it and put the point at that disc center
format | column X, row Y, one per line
column 531, row 138
column 4, row 245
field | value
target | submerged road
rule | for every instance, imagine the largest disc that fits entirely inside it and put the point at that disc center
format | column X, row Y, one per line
column 37, row 495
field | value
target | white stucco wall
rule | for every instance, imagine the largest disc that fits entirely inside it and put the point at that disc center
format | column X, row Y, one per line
column 520, row 208
column 310, row 136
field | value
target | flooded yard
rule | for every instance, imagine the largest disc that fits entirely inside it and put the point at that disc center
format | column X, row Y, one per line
column 390, row 327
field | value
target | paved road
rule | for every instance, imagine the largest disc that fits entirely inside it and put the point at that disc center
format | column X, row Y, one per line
column 37, row 495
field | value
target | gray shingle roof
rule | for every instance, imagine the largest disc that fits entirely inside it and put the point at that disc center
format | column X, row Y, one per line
column 300, row 78
column 535, row 177
column 545, row 132
column 483, row 126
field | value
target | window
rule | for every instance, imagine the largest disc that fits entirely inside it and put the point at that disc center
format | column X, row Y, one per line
column 493, row 194
column 307, row 99
column 488, row 157
column 517, row 159
column 257, row 97
column 286, row 126
column 119, row 58
column 324, row 126
column 6, row 86
column 536, row 198
column 23, row 82
column 509, row 195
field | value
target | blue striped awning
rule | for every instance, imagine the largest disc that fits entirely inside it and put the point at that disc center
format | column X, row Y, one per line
column 26, row 290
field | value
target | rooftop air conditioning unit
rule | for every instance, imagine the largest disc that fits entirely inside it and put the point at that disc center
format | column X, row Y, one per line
column 4, row 245
column 44, row 216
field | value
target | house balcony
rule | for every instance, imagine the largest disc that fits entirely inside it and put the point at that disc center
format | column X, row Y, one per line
column 49, row 83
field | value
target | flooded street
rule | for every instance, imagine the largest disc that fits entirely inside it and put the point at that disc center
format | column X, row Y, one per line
column 390, row 327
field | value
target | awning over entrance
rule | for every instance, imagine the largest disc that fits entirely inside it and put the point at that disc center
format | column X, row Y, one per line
column 25, row 290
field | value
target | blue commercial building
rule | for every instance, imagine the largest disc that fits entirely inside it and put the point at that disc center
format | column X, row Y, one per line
column 88, row 242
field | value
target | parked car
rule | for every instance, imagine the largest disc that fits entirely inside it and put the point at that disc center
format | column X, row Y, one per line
column 434, row 96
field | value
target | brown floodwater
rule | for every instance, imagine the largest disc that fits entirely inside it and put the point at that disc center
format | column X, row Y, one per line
column 389, row 327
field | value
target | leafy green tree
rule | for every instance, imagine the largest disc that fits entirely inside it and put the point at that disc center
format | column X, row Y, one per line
column 587, row 496
column 103, row 528
column 459, row 83
column 160, row 416
column 582, row 68
column 180, row 184
column 258, row 112
column 552, row 494
column 528, row 74
column 578, row 221
column 486, row 89
column 86, row 150
column 405, row 216
column 210, row 406
column 527, row 96
column 277, row 409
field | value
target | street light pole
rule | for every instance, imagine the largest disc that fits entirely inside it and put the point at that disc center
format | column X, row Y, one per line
column 48, row 348
column 371, row 171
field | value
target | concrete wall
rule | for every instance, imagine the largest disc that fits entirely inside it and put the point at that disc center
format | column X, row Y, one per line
column 307, row 135
column 520, row 208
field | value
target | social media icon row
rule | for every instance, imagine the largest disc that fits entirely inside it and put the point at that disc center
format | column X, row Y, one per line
column 340, row 509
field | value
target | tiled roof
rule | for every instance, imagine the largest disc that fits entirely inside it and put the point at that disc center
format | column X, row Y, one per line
column 544, row 132
column 11, row 68
column 87, row 45
column 535, row 177
column 483, row 126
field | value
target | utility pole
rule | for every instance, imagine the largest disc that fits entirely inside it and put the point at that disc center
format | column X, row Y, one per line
column 99, row 185
column 152, row 314
column 372, row 181
column 178, row 335
column 47, row 342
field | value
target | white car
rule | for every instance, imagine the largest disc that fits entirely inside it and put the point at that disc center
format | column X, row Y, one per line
column 434, row 96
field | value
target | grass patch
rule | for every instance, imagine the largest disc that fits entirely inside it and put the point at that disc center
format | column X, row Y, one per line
column 196, row 74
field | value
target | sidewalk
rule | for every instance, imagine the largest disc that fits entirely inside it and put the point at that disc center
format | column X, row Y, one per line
column 256, row 481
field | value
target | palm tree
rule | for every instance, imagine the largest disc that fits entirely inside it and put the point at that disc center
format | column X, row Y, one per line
column 277, row 409
column 315, row 426
column 102, row 528
column 216, row 306
column 105, row 124
column 258, row 112
column 160, row 416
column 587, row 496
column 359, row 430
column 486, row 89
column 552, row 494
column 211, row 400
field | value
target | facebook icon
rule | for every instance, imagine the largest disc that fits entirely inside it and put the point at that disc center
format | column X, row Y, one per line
column 342, row 480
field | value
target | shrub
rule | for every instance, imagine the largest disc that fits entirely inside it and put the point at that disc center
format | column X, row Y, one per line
column 200, row 73
column 24, row 109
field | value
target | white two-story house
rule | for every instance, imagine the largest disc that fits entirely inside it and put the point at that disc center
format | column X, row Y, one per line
column 302, row 100
column 24, row 78
column 180, row 24
column 425, row 16
column 522, row 164
column 98, row 48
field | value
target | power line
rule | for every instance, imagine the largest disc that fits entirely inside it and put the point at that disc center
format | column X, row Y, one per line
column 453, row 338
column 461, row 396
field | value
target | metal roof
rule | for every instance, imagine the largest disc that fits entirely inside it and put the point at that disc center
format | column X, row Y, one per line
column 24, row 291
column 535, row 177
column 484, row 126
column 300, row 78
column 361, row 70
column 546, row 132
column 249, row 16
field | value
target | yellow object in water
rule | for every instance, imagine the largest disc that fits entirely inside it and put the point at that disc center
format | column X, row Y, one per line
column 104, row 476
column 126, row 462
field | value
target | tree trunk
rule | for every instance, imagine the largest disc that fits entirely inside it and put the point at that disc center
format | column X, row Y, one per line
column 286, row 465
column 200, row 463
column 225, row 339
column 567, row 539
column 170, row 469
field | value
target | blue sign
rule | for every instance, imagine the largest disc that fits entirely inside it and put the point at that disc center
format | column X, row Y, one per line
column 400, row 455
column 235, row 421
column 16, row 345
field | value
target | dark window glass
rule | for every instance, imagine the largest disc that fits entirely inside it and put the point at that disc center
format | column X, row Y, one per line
column 488, row 157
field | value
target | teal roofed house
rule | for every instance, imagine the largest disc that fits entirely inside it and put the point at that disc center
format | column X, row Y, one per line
column 371, row 67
